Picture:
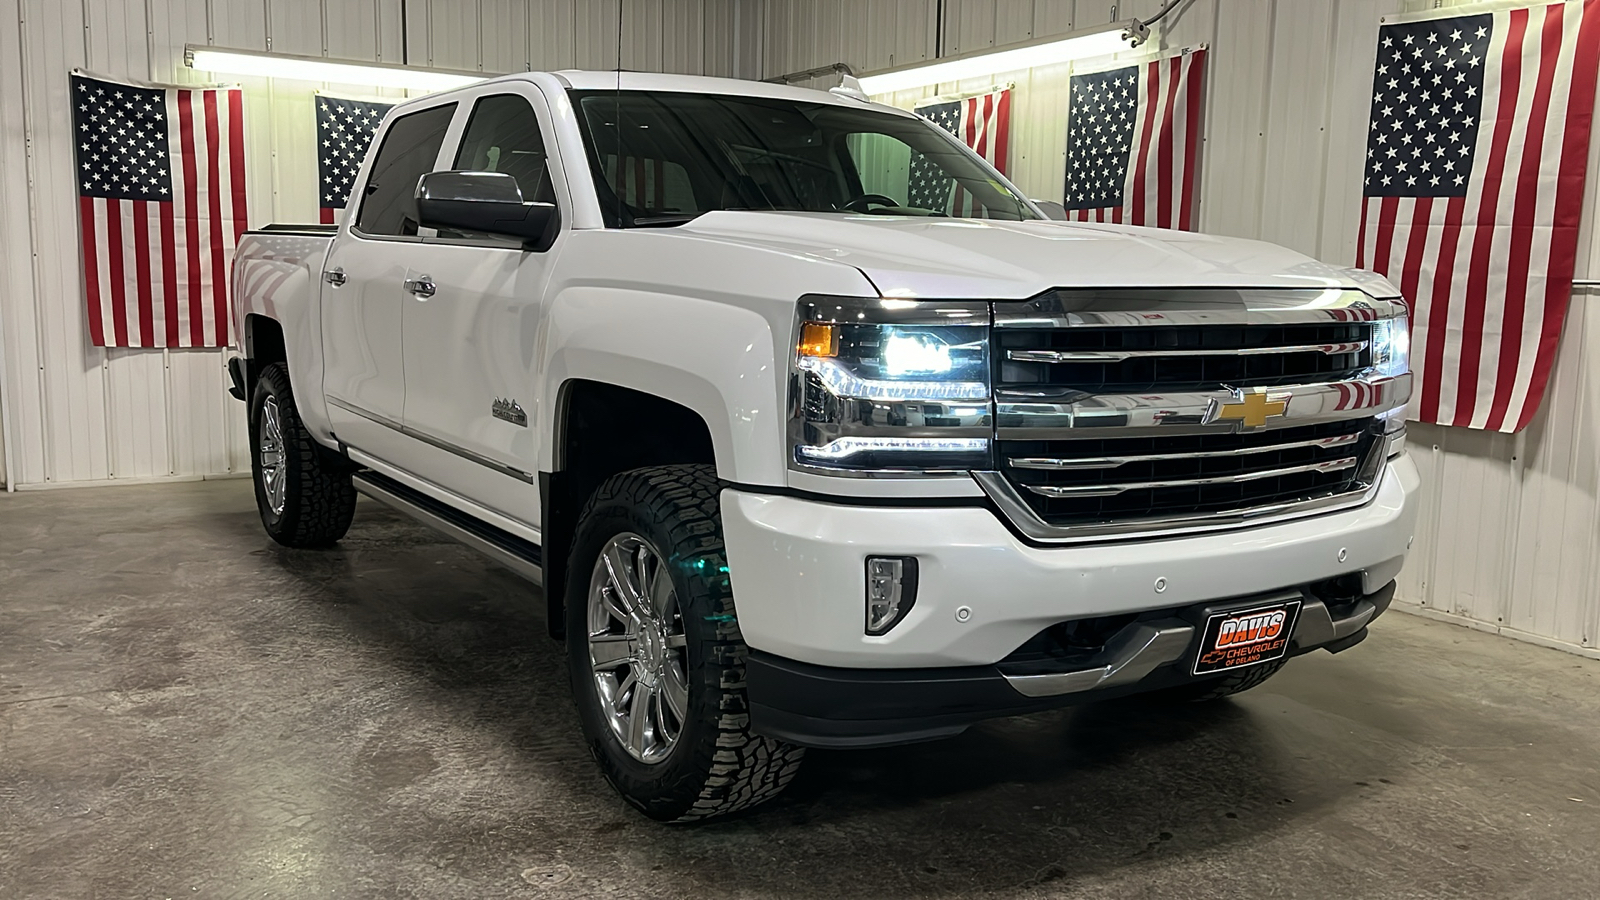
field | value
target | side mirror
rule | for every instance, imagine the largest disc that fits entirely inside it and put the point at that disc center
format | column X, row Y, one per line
column 486, row 203
column 1052, row 210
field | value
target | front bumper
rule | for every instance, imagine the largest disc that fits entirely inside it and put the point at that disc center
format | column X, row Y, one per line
column 815, row 678
column 799, row 575
column 825, row 706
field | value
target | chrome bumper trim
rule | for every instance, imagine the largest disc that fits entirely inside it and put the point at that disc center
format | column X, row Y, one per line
column 1022, row 516
column 1138, row 649
column 1135, row 652
column 1317, row 626
column 1055, row 414
column 1092, row 356
column 1053, row 464
column 1111, row 490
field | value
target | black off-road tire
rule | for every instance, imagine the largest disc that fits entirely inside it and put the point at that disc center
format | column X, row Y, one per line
column 717, row 766
column 319, row 500
column 1210, row 689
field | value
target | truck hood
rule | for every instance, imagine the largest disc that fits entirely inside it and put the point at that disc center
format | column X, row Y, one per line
column 982, row 259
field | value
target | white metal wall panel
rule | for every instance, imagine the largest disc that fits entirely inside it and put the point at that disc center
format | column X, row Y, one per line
column 1052, row 18
column 354, row 29
column 1509, row 538
column 596, row 35
column 241, row 24
column 682, row 36
column 19, row 333
column 1296, row 119
column 56, row 39
column 718, row 24
column 451, row 34
column 552, row 34
column 503, row 36
column 1236, row 117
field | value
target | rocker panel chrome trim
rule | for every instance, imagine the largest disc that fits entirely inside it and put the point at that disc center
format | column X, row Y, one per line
column 516, row 562
column 446, row 446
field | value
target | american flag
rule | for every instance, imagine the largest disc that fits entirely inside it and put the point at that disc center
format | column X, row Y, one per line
column 982, row 123
column 161, row 201
column 1133, row 143
column 344, row 131
column 1473, row 188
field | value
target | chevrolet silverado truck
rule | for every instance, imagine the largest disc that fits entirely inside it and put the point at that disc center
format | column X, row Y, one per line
column 813, row 429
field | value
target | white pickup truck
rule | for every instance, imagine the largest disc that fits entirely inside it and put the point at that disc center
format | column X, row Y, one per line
column 814, row 430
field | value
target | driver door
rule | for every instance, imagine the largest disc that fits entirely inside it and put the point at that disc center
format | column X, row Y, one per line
column 471, row 317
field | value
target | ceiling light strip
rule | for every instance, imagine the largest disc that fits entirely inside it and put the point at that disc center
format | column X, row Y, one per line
column 323, row 69
column 1105, row 41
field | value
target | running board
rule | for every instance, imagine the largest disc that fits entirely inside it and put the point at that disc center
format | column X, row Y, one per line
column 516, row 554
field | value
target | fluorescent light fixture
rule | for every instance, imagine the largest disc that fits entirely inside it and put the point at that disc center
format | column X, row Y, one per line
column 316, row 68
column 1082, row 45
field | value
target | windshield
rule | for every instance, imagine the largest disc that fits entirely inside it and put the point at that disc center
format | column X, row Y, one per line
column 664, row 158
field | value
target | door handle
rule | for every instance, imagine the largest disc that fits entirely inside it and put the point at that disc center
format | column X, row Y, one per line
column 422, row 286
column 335, row 276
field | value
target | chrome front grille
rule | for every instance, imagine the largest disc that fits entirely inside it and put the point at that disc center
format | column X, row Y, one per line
column 1136, row 411
column 1101, row 481
column 1141, row 358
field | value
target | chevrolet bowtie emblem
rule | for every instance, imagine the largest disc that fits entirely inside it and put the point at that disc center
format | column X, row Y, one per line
column 1251, row 410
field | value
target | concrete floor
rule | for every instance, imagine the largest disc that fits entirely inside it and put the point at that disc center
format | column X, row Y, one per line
column 188, row 710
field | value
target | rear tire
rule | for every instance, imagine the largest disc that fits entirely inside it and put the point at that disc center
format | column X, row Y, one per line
column 1217, row 688
column 303, row 490
column 653, row 635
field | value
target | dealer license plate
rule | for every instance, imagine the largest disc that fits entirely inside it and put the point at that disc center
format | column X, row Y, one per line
column 1239, row 638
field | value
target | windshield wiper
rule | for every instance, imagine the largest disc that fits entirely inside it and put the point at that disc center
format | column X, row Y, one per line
column 663, row 221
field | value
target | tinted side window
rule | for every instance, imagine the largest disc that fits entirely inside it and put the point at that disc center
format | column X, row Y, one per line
column 503, row 136
column 409, row 150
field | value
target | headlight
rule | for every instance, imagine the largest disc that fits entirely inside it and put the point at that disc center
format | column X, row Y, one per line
column 890, row 386
column 1391, row 356
column 1391, row 346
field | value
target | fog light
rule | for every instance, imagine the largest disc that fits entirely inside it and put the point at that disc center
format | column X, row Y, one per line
column 891, row 591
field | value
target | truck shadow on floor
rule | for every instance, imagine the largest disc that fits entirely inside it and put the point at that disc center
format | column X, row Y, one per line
column 1007, row 805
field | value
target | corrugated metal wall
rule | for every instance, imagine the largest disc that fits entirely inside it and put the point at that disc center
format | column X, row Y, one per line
column 76, row 413
column 1510, row 530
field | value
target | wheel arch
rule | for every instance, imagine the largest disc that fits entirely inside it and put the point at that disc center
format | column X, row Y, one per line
column 600, row 429
column 263, row 346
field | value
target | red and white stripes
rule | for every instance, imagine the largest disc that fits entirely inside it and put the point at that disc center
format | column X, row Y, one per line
column 1488, row 275
column 1163, row 163
column 156, row 271
column 986, row 128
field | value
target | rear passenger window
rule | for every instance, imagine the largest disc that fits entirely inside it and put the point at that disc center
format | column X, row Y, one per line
column 503, row 136
column 410, row 148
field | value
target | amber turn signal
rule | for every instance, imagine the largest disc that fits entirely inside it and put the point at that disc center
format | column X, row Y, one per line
column 818, row 339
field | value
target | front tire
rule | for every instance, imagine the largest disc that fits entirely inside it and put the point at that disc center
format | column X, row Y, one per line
column 303, row 492
column 655, row 652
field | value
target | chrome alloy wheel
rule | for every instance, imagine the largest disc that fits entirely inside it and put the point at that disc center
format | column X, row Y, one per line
column 637, row 649
column 274, row 478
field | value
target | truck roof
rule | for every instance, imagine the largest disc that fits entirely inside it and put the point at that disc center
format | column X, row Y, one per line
column 583, row 80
